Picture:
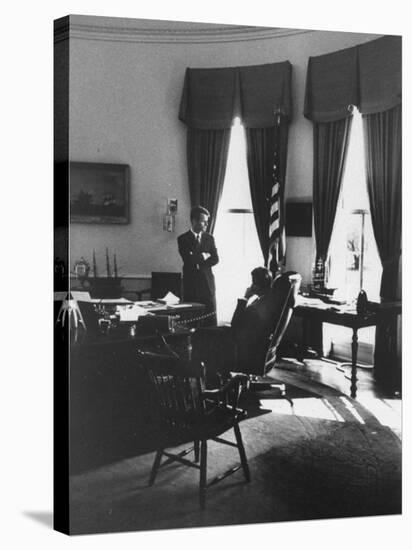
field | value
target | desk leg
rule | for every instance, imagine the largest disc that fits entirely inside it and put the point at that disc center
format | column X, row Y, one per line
column 354, row 363
column 312, row 337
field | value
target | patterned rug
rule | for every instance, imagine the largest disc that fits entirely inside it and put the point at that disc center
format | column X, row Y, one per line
column 322, row 456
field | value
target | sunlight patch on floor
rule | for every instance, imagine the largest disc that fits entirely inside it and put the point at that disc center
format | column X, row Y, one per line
column 311, row 407
column 352, row 410
column 387, row 411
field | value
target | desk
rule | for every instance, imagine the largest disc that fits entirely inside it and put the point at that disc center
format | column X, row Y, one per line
column 110, row 414
column 187, row 313
column 315, row 312
column 103, row 409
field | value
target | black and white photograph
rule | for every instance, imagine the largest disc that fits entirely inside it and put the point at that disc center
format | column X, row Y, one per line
column 224, row 330
column 224, row 347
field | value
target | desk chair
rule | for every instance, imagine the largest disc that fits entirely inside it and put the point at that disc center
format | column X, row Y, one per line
column 284, row 292
column 190, row 413
column 254, row 351
column 279, row 306
column 162, row 282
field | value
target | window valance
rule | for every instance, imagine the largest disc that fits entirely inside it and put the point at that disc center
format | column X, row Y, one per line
column 368, row 76
column 264, row 91
column 380, row 74
column 331, row 85
column 213, row 97
column 208, row 98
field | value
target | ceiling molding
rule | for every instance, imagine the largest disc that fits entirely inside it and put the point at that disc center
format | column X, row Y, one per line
column 128, row 33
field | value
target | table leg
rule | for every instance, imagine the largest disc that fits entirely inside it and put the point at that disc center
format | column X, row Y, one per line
column 354, row 363
column 312, row 337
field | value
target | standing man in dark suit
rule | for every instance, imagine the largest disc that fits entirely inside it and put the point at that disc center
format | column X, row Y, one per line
column 198, row 251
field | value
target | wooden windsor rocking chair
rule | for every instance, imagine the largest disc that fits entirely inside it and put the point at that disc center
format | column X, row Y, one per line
column 190, row 413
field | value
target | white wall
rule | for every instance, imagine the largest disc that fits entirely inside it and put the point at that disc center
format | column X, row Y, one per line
column 124, row 102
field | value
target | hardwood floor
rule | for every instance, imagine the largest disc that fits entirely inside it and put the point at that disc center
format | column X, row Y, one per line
column 334, row 374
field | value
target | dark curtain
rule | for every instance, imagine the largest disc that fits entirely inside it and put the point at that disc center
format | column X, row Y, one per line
column 383, row 146
column 206, row 159
column 262, row 144
column 330, row 148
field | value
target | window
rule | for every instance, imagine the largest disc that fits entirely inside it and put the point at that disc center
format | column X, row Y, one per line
column 354, row 262
column 354, row 259
column 235, row 230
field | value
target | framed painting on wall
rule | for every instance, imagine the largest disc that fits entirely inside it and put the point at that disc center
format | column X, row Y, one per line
column 99, row 193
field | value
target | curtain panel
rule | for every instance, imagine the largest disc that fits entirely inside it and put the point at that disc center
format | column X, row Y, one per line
column 383, row 147
column 383, row 154
column 367, row 76
column 206, row 161
column 330, row 148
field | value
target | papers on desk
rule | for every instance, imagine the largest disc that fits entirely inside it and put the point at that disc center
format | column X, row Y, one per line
column 309, row 302
column 131, row 312
column 317, row 303
column 154, row 306
column 146, row 303
column 111, row 301
column 170, row 299
column 150, row 306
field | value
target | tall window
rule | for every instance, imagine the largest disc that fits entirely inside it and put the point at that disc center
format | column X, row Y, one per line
column 235, row 230
column 354, row 260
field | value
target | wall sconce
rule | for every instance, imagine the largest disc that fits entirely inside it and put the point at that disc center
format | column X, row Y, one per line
column 169, row 220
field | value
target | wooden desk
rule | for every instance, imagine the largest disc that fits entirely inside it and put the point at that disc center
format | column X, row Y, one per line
column 324, row 313
column 110, row 416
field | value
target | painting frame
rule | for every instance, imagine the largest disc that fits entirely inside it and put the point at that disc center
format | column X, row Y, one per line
column 99, row 193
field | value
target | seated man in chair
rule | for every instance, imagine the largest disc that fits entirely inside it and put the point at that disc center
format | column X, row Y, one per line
column 243, row 345
column 252, row 322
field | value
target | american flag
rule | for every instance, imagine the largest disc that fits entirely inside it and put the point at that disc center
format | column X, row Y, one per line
column 277, row 241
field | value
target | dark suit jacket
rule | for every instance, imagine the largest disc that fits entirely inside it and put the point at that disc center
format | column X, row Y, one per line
column 251, row 327
column 198, row 279
column 240, row 347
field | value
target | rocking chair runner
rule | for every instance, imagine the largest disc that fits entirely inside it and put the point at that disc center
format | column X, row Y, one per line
column 189, row 412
